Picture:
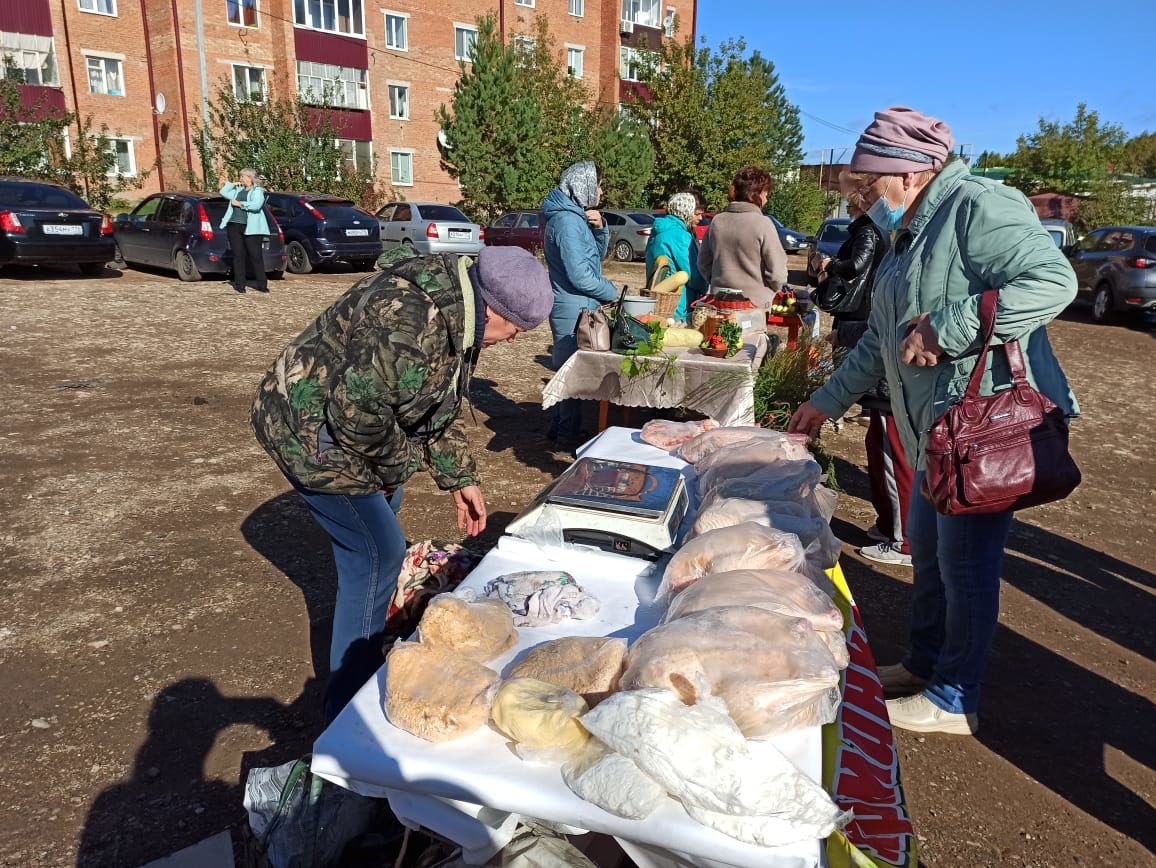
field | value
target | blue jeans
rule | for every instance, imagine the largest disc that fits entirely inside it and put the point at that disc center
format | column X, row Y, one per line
column 567, row 424
column 955, row 601
column 368, row 549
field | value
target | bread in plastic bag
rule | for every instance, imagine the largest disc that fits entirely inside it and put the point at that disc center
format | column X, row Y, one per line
column 541, row 719
column 588, row 665
column 805, row 817
column 668, row 435
column 694, row 451
column 612, row 782
column 741, row 546
column 698, row 755
column 478, row 629
column 775, row 674
column 435, row 693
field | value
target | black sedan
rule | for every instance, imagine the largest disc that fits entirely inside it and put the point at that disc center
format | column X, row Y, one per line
column 320, row 228
column 182, row 231
column 46, row 224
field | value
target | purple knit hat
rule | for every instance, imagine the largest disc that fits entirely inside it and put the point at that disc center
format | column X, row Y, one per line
column 514, row 285
column 902, row 140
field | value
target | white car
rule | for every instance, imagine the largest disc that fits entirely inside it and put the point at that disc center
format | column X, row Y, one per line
column 429, row 228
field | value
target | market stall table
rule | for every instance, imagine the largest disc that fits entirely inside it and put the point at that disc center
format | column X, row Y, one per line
column 723, row 389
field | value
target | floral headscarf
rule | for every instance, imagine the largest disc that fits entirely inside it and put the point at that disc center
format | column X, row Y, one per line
column 682, row 206
column 580, row 183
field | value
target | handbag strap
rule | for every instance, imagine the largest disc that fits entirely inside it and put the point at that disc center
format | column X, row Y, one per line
column 1015, row 358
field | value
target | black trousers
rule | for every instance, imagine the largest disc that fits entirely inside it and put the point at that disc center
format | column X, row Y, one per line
column 248, row 258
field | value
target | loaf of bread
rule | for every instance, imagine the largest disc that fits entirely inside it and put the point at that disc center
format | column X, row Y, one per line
column 436, row 694
column 588, row 665
column 480, row 630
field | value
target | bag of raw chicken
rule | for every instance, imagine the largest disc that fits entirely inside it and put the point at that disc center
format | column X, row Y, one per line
column 789, row 446
column 668, row 435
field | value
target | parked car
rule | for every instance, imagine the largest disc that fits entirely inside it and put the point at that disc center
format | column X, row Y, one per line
column 1062, row 232
column 792, row 239
column 1116, row 267
column 429, row 228
column 629, row 232
column 46, row 224
column 181, row 231
column 320, row 228
column 524, row 229
column 826, row 243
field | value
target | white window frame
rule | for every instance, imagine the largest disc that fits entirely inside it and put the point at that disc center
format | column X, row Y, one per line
column 104, row 59
column 306, row 21
column 464, row 28
column 112, row 14
column 353, row 149
column 241, row 6
column 401, row 152
column 527, row 3
column 113, row 142
column 24, row 49
column 390, row 86
column 524, row 47
column 644, row 13
column 668, row 21
column 579, row 5
column 580, row 50
column 404, row 16
column 329, row 75
column 233, row 67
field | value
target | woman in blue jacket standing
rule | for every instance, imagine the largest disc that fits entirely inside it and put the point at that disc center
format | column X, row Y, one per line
column 576, row 242
column 673, row 237
column 245, row 222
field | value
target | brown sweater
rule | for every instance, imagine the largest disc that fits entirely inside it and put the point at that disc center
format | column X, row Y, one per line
column 742, row 251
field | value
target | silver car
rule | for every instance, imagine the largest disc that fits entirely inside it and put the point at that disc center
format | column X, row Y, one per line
column 629, row 231
column 429, row 228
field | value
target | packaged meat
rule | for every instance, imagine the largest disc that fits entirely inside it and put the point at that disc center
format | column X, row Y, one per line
column 739, row 546
column 612, row 782
column 479, row 629
column 775, row 674
column 694, row 451
column 789, row 594
column 756, row 489
column 540, row 718
column 783, row 480
column 436, row 693
column 588, row 665
column 670, row 435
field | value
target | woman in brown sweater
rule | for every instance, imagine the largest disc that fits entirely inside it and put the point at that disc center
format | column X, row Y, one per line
column 742, row 249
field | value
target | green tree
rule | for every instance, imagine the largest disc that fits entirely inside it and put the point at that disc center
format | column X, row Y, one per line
column 799, row 202
column 1140, row 155
column 1067, row 157
column 1111, row 202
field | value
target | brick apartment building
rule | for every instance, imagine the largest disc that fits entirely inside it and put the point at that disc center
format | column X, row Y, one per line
column 147, row 68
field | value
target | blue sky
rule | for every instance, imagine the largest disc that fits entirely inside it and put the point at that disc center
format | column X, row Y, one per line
column 990, row 69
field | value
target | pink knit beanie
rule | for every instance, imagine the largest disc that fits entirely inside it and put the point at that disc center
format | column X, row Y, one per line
column 902, row 140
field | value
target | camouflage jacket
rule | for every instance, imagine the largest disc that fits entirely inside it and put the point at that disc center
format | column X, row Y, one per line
column 371, row 390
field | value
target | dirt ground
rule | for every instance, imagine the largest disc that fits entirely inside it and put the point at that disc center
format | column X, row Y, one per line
column 167, row 599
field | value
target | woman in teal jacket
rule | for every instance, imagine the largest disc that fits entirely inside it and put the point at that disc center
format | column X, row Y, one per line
column 957, row 235
column 672, row 236
column 248, row 229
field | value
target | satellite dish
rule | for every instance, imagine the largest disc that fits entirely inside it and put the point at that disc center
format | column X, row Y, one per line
column 442, row 143
column 160, row 103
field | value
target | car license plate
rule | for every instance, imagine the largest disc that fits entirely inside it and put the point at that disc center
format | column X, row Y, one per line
column 62, row 229
column 459, row 233
column 356, row 233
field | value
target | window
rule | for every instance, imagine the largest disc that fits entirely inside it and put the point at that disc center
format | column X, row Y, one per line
column 242, row 13
column 506, row 221
column 644, row 13
column 338, row 86
column 397, row 31
column 34, row 57
column 249, row 83
column 105, row 75
column 668, row 21
column 122, row 149
column 170, row 211
column 635, row 64
column 403, row 214
column 332, row 16
column 575, row 55
column 399, row 102
column 464, row 38
column 611, row 219
column 577, row 7
column 401, row 174
column 356, row 156
column 100, row 7
column 524, row 49
column 529, row 3
column 147, row 209
column 1089, row 241
column 529, row 221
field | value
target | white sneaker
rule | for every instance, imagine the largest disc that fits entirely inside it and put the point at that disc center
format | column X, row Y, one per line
column 919, row 714
column 886, row 553
column 874, row 533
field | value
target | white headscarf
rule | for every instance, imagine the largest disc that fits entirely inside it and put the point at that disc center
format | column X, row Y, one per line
column 580, row 183
column 682, row 206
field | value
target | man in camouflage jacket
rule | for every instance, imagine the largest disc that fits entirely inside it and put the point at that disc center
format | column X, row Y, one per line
column 368, row 394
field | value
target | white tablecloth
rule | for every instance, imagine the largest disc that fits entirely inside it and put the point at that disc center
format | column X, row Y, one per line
column 472, row 790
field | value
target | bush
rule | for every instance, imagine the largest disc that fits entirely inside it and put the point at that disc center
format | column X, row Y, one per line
column 799, row 203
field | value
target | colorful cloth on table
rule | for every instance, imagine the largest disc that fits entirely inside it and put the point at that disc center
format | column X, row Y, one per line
column 542, row 597
column 429, row 568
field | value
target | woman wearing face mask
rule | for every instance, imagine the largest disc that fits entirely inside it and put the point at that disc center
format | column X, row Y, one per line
column 956, row 235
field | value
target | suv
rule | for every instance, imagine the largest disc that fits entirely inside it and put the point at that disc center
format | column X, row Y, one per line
column 46, row 224
column 629, row 233
column 792, row 239
column 1116, row 266
column 429, row 228
column 181, row 231
column 320, row 228
column 525, row 229
column 1062, row 232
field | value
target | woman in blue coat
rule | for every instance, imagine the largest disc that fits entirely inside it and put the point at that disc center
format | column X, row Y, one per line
column 245, row 222
column 576, row 241
column 673, row 237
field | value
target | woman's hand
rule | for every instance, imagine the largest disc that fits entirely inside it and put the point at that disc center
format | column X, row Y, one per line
column 921, row 346
column 471, row 506
column 594, row 218
column 235, row 203
column 808, row 419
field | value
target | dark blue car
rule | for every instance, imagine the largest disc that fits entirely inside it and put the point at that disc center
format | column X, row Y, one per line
column 181, row 231
column 320, row 229
column 46, row 224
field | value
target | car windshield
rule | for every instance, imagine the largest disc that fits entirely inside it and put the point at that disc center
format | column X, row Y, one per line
column 338, row 211
column 24, row 195
column 833, row 232
column 443, row 213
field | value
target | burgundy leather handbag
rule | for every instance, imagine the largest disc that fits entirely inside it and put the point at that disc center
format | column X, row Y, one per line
column 1005, row 451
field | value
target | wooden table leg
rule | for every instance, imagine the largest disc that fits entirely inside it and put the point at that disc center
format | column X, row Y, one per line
column 625, row 417
column 603, row 415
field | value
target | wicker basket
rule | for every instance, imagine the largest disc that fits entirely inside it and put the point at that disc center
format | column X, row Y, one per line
column 666, row 303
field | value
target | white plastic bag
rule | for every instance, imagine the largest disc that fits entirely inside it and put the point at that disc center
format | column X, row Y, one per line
column 792, row 481
column 705, row 444
column 785, row 593
column 612, row 782
column 667, row 435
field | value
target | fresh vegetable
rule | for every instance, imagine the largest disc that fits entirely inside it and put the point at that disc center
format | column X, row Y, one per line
column 672, row 284
column 676, row 337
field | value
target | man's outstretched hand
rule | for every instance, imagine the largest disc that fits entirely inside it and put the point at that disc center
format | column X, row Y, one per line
column 471, row 506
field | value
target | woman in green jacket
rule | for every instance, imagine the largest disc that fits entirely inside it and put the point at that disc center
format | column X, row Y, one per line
column 956, row 235
column 248, row 229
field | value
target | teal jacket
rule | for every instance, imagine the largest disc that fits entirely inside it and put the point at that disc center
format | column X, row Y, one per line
column 574, row 254
column 669, row 237
column 255, row 224
column 968, row 234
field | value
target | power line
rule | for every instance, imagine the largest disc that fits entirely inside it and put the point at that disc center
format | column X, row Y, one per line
column 833, row 126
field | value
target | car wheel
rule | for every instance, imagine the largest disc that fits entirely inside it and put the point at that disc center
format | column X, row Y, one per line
column 297, row 258
column 186, row 269
column 623, row 252
column 1103, row 308
column 92, row 269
